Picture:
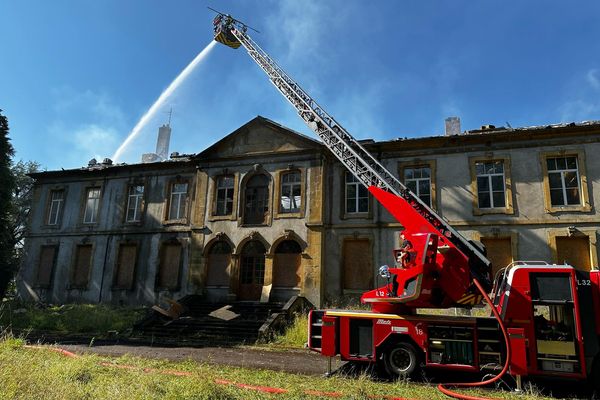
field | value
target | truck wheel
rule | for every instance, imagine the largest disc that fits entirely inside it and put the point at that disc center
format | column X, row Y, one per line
column 401, row 360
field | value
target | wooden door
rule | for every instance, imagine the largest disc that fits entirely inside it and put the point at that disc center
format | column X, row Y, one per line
column 252, row 271
column 574, row 250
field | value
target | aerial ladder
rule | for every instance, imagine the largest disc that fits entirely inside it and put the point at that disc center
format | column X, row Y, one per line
column 446, row 262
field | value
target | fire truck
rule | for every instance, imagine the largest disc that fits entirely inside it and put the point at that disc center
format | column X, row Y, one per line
column 545, row 318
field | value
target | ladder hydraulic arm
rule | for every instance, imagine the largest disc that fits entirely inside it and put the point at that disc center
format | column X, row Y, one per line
column 462, row 261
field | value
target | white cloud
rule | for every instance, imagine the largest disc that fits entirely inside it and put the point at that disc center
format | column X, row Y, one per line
column 95, row 141
column 581, row 102
column 86, row 125
column 592, row 78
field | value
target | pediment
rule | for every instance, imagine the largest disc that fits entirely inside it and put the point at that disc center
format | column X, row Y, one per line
column 259, row 136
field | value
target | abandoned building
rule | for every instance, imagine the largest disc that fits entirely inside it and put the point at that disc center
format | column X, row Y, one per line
column 269, row 213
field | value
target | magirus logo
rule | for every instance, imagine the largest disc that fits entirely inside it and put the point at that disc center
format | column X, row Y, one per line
column 384, row 322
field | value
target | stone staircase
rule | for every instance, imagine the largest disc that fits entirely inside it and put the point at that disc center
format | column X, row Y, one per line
column 216, row 324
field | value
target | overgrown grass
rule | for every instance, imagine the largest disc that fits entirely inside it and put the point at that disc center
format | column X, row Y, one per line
column 72, row 318
column 29, row 373
column 296, row 335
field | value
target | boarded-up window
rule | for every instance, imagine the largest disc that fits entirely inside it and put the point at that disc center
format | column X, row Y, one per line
column 46, row 267
column 499, row 252
column 357, row 264
column 125, row 272
column 83, row 262
column 574, row 251
column 170, row 262
column 219, row 258
column 286, row 264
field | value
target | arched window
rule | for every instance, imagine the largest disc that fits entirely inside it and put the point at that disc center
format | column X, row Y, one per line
column 286, row 264
column 219, row 258
column 252, row 270
column 256, row 200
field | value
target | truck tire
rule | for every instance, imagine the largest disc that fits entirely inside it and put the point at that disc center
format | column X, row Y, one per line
column 401, row 360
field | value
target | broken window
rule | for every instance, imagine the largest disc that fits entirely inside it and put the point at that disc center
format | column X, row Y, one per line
column 225, row 186
column 256, row 201
column 57, row 198
column 291, row 192
column 92, row 204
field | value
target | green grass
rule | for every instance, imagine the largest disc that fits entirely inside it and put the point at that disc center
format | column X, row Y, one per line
column 29, row 373
column 73, row 318
column 295, row 336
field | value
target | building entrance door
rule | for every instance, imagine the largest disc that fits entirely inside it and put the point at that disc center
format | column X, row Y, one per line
column 252, row 271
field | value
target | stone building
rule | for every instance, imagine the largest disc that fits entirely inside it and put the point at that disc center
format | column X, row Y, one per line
column 267, row 213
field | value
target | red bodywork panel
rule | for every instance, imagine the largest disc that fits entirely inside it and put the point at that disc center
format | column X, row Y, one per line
column 439, row 276
column 518, row 347
column 595, row 282
column 329, row 342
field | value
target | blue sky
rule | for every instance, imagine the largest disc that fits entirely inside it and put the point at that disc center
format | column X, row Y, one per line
column 75, row 76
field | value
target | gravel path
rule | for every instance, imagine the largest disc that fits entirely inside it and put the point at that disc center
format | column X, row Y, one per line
column 296, row 361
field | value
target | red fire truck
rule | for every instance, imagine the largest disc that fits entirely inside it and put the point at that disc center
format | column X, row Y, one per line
column 546, row 318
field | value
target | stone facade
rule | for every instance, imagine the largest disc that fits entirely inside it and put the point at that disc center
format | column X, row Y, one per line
column 267, row 213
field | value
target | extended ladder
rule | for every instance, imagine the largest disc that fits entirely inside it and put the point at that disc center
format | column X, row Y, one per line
column 353, row 156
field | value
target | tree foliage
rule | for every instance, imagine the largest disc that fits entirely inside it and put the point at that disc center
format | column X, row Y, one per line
column 7, row 184
column 21, row 200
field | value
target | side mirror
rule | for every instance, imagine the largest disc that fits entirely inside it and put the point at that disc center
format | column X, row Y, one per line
column 384, row 271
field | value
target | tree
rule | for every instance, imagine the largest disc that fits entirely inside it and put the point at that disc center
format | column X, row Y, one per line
column 21, row 203
column 7, row 183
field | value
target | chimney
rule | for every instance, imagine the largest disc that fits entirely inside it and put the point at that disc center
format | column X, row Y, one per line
column 452, row 126
column 162, row 144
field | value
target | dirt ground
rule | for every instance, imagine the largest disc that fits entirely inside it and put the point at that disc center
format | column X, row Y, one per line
column 295, row 361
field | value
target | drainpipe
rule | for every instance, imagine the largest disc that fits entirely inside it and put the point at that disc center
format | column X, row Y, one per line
column 108, row 241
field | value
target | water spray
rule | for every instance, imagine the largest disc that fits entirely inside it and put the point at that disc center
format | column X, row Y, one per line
column 162, row 98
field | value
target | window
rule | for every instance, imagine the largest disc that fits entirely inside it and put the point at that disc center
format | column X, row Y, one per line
column 563, row 179
column 291, row 190
column 256, row 204
column 418, row 180
column 225, row 187
column 92, row 204
column 135, row 197
column 170, row 263
column 82, row 267
column 357, row 195
column 126, row 260
column 490, row 184
column 419, row 176
column 46, row 266
column 57, row 198
column 178, row 201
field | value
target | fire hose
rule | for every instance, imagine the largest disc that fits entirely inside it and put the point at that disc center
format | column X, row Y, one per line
column 218, row 381
column 444, row 387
